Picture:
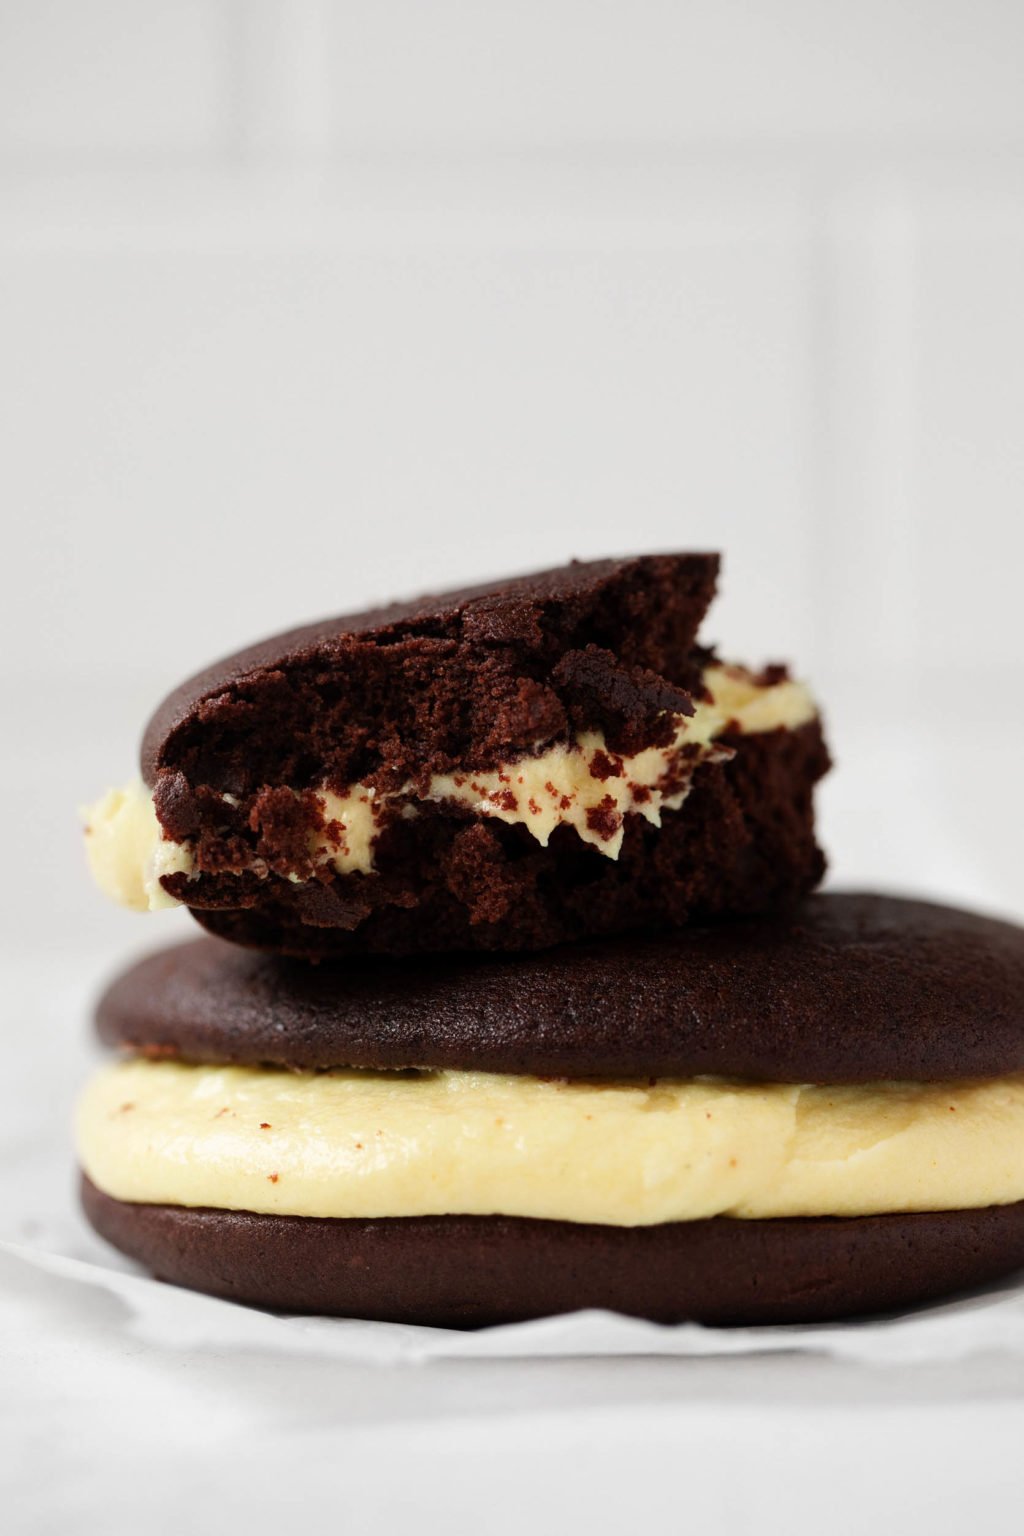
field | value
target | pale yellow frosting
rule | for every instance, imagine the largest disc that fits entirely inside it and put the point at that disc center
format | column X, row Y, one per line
column 127, row 851
column 411, row 1144
column 554, row 787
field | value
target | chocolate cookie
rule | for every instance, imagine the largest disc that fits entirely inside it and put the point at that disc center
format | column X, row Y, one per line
column 846, row 989
column 473, row 674
column 469, row 1271
column 506, row 768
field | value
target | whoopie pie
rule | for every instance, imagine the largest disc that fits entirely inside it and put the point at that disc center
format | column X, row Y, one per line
column 792, row 1117
column 509, row 767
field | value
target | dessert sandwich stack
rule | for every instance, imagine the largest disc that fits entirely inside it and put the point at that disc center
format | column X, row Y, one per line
column 515, row 996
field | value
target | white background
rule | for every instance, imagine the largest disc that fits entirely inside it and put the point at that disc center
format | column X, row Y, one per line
column 304, row 305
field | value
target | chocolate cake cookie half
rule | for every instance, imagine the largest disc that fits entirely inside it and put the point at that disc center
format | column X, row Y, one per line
column 502, row 768
column 784, row 1119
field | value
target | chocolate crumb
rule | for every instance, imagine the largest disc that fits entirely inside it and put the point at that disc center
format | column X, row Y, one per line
column 604, row 765
column 774, row 673
column 604, row 819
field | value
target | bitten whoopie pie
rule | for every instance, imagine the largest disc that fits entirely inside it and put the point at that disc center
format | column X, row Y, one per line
column 503, row 768
column 788, row 1118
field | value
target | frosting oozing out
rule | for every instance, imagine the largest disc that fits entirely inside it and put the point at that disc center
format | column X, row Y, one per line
column 581, row 784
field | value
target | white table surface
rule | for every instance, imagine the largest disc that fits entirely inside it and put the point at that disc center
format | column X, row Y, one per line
column 102, row 1429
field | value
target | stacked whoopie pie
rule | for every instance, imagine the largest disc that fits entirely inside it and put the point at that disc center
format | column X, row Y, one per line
column 515, row 998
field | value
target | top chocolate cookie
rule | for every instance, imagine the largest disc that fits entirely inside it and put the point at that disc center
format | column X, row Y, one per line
column 474, row 676
column 844, row 988
column 500, row 767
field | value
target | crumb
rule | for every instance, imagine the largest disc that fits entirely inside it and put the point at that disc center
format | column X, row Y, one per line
column 604, row 766
column 604, row 819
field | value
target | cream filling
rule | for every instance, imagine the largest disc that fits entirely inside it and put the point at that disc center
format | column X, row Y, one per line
column 414, row 1144
column 128, row 852
column 558, row 786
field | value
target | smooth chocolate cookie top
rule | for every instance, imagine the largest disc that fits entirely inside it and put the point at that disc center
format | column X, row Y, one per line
column 847, row 988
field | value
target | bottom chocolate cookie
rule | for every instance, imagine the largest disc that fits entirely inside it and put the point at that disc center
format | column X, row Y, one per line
column 470, row 1271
